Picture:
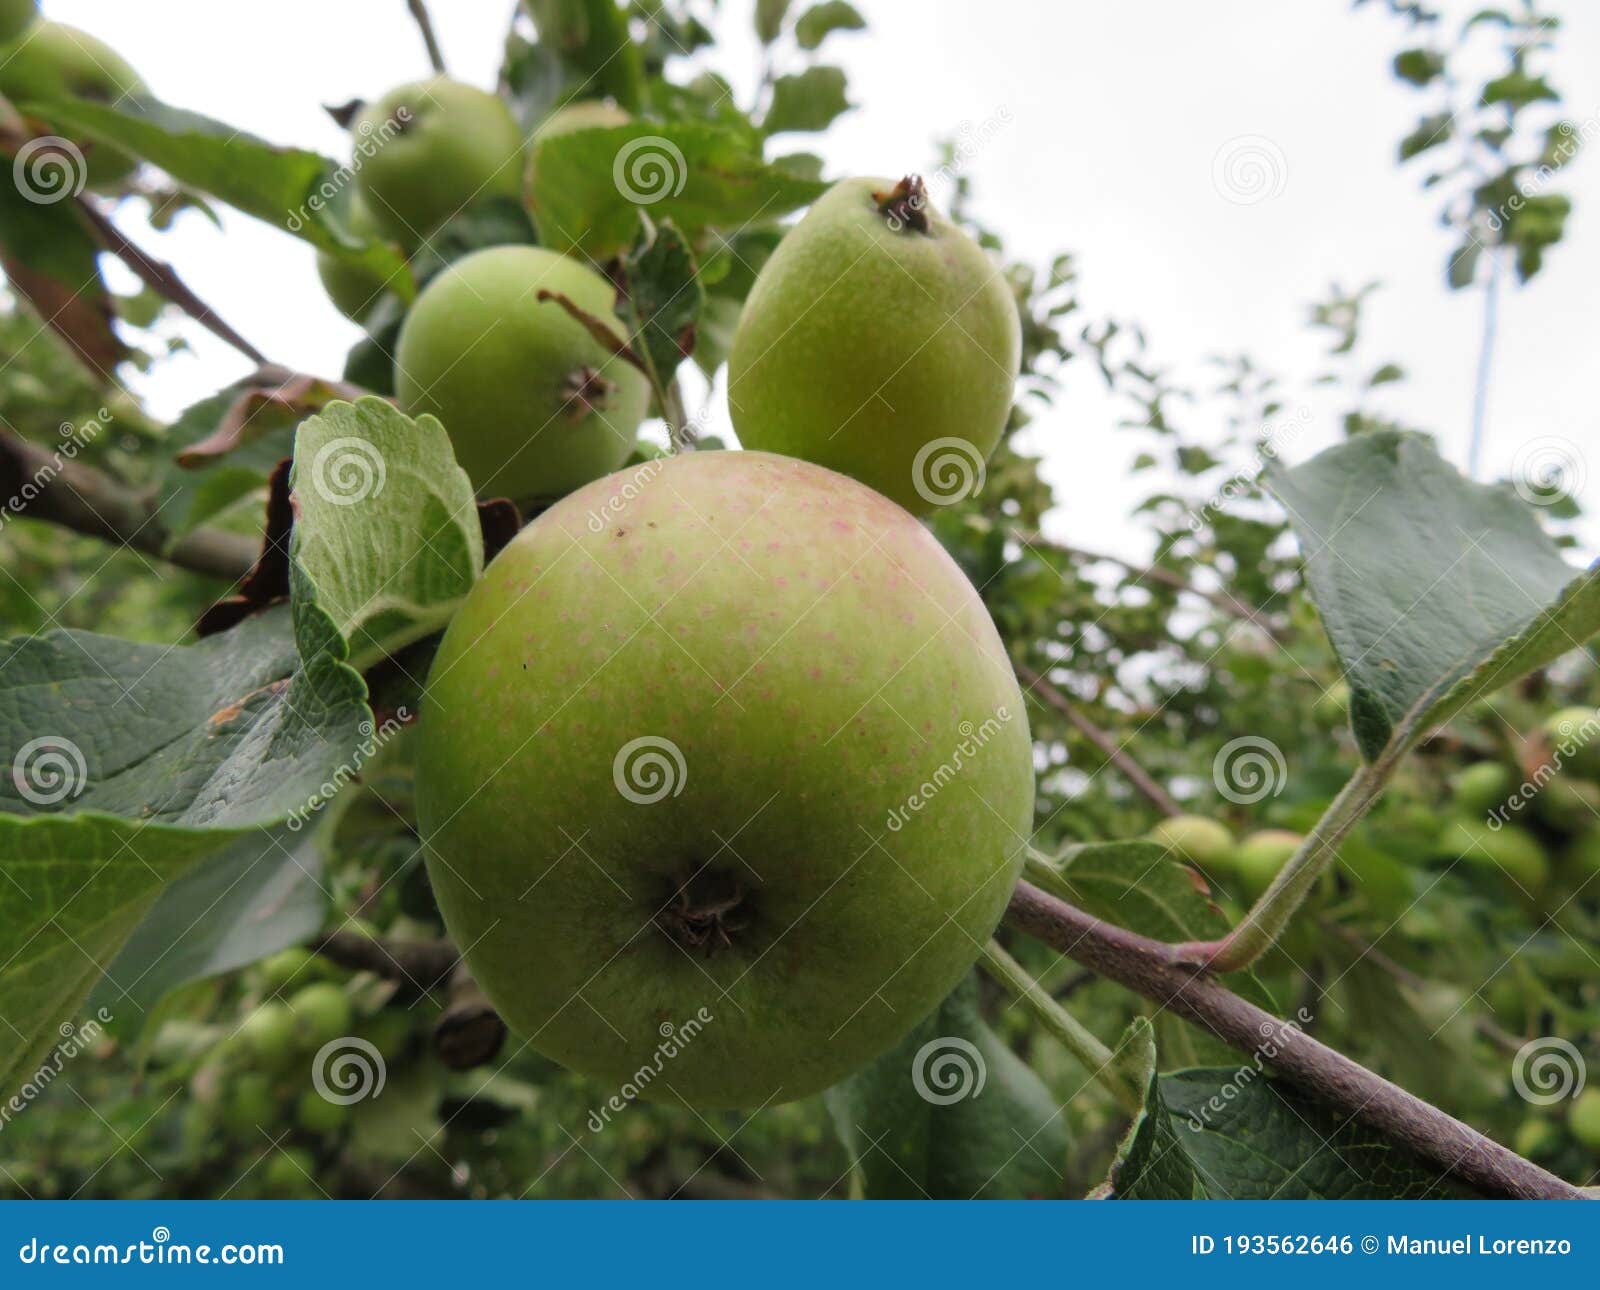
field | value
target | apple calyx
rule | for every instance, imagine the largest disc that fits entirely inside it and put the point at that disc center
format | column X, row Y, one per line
column 905, row 205
column 584, row 391
column 701, row 914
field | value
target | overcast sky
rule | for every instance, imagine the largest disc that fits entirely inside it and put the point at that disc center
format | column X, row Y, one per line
column 1103, row 127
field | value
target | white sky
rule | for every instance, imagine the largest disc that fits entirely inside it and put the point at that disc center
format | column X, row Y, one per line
column 1111, row 117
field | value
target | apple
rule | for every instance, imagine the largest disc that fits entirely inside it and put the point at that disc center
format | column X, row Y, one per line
column 321, row 1014
column 1259, row 857
column 878, row 340
column 289, row 1174
column 315, row 1114
column 248, row 1105
column 428, row 150
column 1537, row 1138
column 727, row 754
column 292, row 966
column 16, row 16
column 534, row 404
column 1479, row 788
column 1567, row 804
column 1509, row 852
column 1574, row 734
column 353, row 289
column 266, row 1036
column 1197, row 839
column 54, row 61
column 1583, row 1118
column 1332, row 706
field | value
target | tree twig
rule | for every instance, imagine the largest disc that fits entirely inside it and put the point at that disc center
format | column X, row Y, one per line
column 419, row 11
column 1147, row 968
column 418, row 967
column 43, row 485
column 1112, row 751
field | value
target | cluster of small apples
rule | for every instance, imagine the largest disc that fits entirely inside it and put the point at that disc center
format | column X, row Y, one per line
column 1251, row 862
column 1540, row 1137
column 42, row 60
column 258, row 1078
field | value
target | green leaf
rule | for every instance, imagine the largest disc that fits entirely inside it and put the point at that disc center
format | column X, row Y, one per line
column 188, row 496
column 951, row 1113
column 386, row 527
column 809, row 100
column 1433, row 590
column 1430, row 132
column 1463, row 264
column 817, row 23
column 1418, row 66
column 1222, row 1134
column 662, row 302
column 1519, row 89
column 591, row 39
column 588, row 188
column 295, row 190
column 769, row 19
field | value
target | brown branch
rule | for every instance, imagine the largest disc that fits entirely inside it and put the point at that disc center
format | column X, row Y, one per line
column 42, row 485
column 163, row 279
column 419, row 11
column 1109, row 748
column 416, row 966
column 469, row 1031
column 1146, row 967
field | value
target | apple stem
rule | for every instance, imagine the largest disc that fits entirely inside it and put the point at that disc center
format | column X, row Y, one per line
column 1101, row 1062
column 905, row 205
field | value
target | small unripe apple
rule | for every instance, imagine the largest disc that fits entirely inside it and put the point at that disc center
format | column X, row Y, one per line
column 316, row 1114
column 55, row 61
column 879, row 340
column 1480, row 787
column 1332, row 706
column 321, row 1014
column 428, row 150
column 353, row 288
column 1508, row 852
column 730, row 754
column 534, row 404
column 294, row 966
column 289, row 1174
column 1537, row 1138
column 16, row 16
column 1567, row 803
column 1260, row 856
column 248, row 1104
column 388, row 1031
column 1574, row 734
column 266, row 1036
column 1197, row 839
column 1583, row 1118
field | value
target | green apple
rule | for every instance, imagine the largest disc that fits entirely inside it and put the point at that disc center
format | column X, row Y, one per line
column 750, row 749
column 1196, row 838
column 54, row 61
column 1583, row 1118
column 294, row 966
column 290, row 1174
column 321, row 1014
column 880, row 341
column 266, row 1036
column 1508, row 851
column 1568, row 804
column 388, row 1031
column 1537, row 1139
column 16, row 16
column 353, row 288
column 1332, row 706
column 534, row 404
column 1259, row 857
column 315, row 1114
column 248, row 1105
column 1479, row 788
column 1574, row 734
column 428, row 150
